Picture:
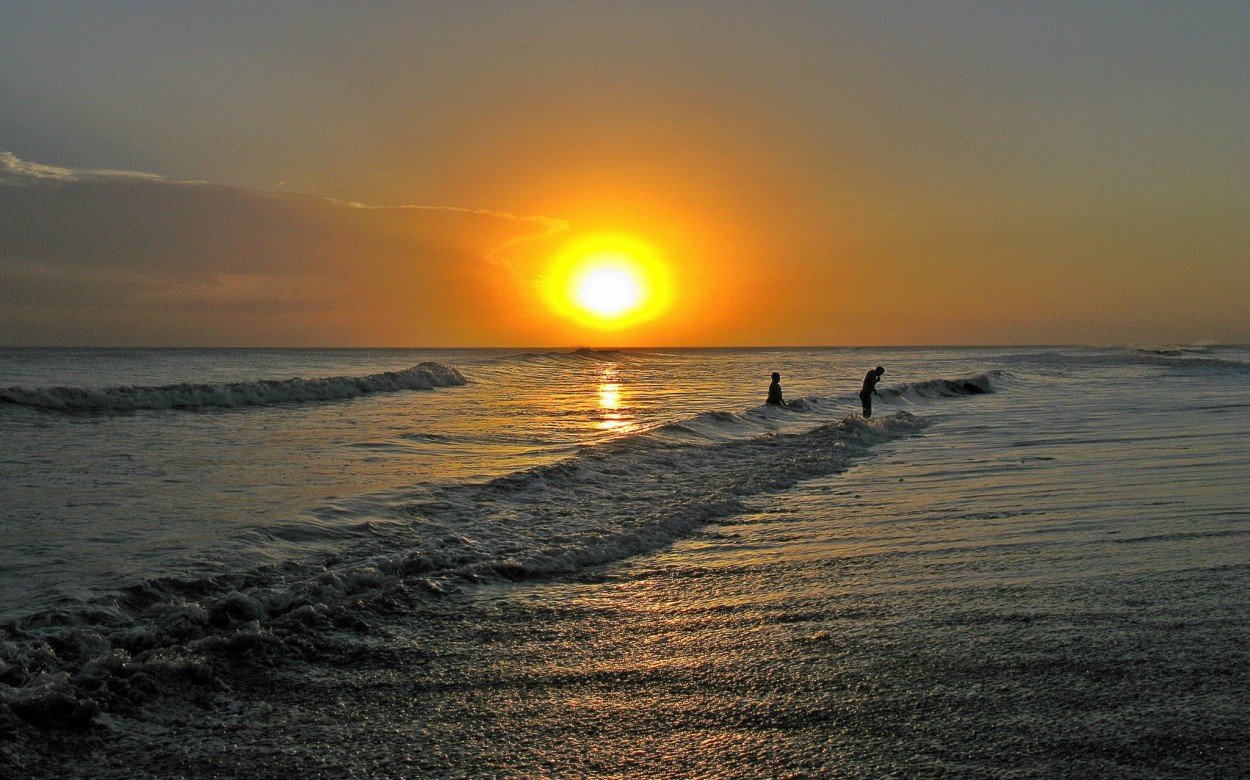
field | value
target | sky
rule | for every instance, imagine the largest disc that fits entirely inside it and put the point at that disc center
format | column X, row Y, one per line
column 832, row 173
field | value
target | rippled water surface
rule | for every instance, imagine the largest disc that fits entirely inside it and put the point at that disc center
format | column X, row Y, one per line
column 609, row 565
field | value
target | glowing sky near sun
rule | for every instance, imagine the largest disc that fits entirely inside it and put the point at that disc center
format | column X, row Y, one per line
column 608, row 281
column 801, row 174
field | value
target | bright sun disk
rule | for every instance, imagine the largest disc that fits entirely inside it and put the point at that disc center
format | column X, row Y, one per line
column 609, row 290
column 608, row 281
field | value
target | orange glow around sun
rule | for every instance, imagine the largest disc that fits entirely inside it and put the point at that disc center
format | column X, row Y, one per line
column 608, row 281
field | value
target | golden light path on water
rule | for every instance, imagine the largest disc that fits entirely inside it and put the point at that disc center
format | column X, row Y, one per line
column 614, row 412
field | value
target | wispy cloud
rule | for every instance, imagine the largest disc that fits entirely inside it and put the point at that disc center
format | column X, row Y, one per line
column 545, row 227
column 14, row 170
column 166, row 258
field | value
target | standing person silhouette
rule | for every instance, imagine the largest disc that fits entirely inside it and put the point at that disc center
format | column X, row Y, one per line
column 774, row 391
column 870, row 389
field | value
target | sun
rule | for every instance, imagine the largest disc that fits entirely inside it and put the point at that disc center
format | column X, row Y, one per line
column 608, row 281
column 608, row 287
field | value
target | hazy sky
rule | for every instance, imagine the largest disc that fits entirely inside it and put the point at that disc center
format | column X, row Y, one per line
column 305, row 173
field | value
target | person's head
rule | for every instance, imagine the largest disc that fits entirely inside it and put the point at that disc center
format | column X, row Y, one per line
column 776, row 377
column 880, row 370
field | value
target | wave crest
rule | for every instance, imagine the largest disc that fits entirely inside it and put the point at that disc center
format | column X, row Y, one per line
column 263, row 392
column 1191, row 358
column 582, row 355
column 978, row 384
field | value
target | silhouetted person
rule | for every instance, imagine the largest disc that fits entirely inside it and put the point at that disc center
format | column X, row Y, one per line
column 774, row 391
column 870, row 389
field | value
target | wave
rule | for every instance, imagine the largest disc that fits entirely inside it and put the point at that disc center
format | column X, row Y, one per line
column 709, row 426
column 978, row 384
column 264, row 392
column 718, row 426
column 581, row 355
column 1185, row 358
column 1194, row 358
column 1172, row 351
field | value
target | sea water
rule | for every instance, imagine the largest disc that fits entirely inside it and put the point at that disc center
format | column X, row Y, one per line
column 1028, row 562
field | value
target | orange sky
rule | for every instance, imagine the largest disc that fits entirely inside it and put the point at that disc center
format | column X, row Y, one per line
column 836, row 174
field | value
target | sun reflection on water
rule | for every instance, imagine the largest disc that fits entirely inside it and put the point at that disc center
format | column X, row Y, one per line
column 615, row 414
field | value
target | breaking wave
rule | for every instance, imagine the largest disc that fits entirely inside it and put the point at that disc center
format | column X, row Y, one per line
column 943, row 388
column 264, row 392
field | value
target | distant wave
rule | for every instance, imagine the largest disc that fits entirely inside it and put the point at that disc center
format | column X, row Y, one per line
column 582, row 355
column 263, row 392
column 1196, row 357
column 1172, row 351
column 1187, row 357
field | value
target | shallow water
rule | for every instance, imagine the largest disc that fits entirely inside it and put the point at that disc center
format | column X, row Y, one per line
column 164, row 477
column 1050, row 580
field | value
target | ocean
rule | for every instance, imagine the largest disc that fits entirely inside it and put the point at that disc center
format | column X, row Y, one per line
column 1029, row 562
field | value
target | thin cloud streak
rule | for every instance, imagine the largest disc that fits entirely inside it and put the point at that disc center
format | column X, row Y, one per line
column 166, row 261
